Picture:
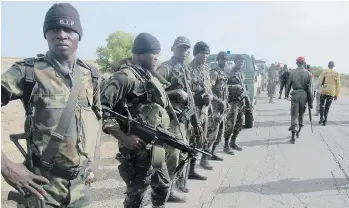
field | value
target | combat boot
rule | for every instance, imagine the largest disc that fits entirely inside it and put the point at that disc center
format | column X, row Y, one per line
column 279, row 96
column 293, row 140
column 297, row 133
column 193, row 174
column 176, row 198
column 214, row 156
column 204, row 163
column 227, row 149
column 271, row 100
column 234, row 145
column 181, row 184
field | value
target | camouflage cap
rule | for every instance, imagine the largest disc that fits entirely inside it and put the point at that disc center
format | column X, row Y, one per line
column 222, row 55
column 181, row 40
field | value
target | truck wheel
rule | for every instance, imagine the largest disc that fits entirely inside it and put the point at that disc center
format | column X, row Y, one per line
column 249, row 120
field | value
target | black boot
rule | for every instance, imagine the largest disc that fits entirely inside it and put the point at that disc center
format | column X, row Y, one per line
column 279, row 96
column 193, row 174
column 214, row 156
column 297, row 133
column 233, row 144
column 204, row 163
column 293, row 140
column 321, row 115
column 182, row 184
column 175, row 198
column 227, row 149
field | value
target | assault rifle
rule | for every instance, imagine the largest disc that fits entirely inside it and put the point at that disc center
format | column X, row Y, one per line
column 29, row 200
column 154, row 135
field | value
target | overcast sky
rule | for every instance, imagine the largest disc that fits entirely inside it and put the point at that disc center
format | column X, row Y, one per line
column 275, row 31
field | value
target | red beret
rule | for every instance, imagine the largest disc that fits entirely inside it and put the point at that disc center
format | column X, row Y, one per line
column 301, row 58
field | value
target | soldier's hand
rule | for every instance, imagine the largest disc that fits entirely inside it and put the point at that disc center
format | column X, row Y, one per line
column 335, row 97
column 20, row 178
column 182, row 96
column 207, row 99
column 133, row 142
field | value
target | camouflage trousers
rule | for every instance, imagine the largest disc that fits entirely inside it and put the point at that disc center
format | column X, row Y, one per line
column 234, row 121
column 136, row 170
column 173, row 155
column 298, row 104
column 271, row 89
column 216, row 128
column 325, row 104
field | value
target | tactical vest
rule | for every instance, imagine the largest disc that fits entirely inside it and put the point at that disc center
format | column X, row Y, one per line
column 235, row 88
column 153, row 109
column 45, row 97
column 219, row 89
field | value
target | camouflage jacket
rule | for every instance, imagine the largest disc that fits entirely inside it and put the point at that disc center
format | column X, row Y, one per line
column 128, row 92
column 48, row 99
column 273, row 76
column 200, row 81
column 219, row 80
column 173, row 72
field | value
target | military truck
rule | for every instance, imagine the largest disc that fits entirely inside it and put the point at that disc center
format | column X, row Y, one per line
column 250, row 71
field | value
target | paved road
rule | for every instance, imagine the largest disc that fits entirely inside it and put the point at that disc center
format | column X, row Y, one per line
column 268, row 173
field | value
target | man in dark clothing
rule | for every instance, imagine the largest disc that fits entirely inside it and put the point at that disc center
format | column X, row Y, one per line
column 284, row 74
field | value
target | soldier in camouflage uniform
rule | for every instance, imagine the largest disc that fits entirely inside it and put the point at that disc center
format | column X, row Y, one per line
column 272, row 82
column 201, row 87
column 134, row 92
column 216, row 128
column 61, row 97
column 300, row 82
column 235, row 115
column 173, row 72
column 284, row 74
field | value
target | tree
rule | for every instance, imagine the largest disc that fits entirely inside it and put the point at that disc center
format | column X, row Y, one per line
column 119, row 47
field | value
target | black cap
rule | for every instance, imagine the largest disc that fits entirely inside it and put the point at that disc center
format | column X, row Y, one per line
column 330, row 64
column 238, row 57
column 181, row 40
column 201, row 47
column 146, row 43
column 62, row 15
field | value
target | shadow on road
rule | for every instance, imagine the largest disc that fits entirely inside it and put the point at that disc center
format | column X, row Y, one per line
column 279, row 114
column 276, row 141
column 271, row 123
column 290, row 186
column 107, row 194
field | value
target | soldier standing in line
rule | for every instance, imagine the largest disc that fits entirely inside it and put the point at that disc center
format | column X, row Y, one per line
column 129, row 93
column 51, row 86
column 272, row 82
column 300, row 82
column 236, row 99
column 173, row 73
column 216, row 123
column 201, row 87
column 284, row 74
column 330, row 83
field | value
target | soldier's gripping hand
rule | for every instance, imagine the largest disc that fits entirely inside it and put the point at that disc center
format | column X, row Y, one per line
column 20, row 178
column 133, row 142
column 182, row 96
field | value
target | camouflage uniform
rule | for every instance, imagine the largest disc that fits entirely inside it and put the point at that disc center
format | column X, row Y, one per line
column 272, row 82
column 234, row 120
column 216, row 123
column 49, row 98
column 284, row 74
column 200, row 86
column 127, row 92
column 173, row 72
column 300, row 81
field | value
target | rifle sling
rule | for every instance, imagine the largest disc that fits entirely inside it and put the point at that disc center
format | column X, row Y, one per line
column 57, row 136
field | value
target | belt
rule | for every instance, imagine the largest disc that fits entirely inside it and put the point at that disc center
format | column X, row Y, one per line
column 56, row 170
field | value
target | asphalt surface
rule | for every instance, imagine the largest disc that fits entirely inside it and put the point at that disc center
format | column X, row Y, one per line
column 269, row 172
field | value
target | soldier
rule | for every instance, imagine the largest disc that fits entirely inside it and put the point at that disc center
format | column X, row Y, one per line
column 284, row 74
column 329, row 80
column 317, row 92
column 234, row 118
column 134, row 92
column 201, row 87
column 61, row 98
column 216, row 128
column 272, row 82
column 173, row 72
column 300, row 82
